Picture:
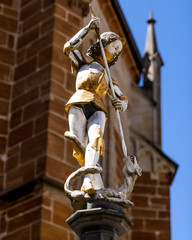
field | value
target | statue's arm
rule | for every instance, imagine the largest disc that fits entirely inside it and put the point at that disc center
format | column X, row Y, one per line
column 121, row 97
column 120, row 102
column 70, row 47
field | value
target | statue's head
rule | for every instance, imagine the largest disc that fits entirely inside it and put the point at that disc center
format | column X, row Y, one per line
column 113, row 45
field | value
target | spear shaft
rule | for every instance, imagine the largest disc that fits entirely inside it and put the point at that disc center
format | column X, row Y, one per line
column 108, row 74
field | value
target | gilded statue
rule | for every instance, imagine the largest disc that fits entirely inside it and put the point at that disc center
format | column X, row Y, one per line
column 86, row 110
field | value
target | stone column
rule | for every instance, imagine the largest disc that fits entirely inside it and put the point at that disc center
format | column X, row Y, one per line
column 100, row 221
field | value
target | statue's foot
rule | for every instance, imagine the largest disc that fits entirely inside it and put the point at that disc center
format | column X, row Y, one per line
column 88, row 188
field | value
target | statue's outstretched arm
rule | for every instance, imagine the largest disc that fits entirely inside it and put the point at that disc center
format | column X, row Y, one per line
column 76, row 40
column 70, row 47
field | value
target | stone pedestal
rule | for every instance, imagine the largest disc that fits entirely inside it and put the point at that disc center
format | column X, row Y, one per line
column 100, row 221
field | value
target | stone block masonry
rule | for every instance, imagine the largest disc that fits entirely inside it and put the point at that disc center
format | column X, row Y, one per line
column 35, row 212
column 25, row 59
column 35, row 83
column 151, row 213
column 35, row 159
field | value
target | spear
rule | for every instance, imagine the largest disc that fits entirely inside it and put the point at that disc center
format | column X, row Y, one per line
column 124, row 147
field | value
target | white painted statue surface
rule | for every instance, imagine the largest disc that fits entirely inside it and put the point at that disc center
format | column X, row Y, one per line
column 85, row 109
column 87, row 116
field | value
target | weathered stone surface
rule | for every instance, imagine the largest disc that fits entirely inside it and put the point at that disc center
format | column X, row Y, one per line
column 21, row 133
column 30, row 9
column 49, row 232
column 4, row 72
column 7, row 56
column 8, row 24
column 2, row 145
column 100, row 221
column 34, row 147
column 26, row 68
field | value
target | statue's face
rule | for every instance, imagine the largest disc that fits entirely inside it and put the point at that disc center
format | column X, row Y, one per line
column 113, row 49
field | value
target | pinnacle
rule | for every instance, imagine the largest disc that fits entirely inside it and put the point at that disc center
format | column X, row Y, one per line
column 151, row 19
column 151, row 44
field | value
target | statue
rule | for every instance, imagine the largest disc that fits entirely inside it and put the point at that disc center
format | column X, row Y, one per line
column 87, row 115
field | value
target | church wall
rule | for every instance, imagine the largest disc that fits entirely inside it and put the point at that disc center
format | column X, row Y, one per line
column 142, row 112
column 9, row 25
column 29, row 71
column 60, row 163
column 24, row 157
column 35, row 159
column 20, row 214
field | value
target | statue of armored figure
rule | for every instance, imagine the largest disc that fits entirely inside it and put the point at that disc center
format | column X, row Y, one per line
column 86, row 111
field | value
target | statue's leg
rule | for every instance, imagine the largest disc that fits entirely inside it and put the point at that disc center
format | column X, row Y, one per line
column 96, row 125
column 78, row 127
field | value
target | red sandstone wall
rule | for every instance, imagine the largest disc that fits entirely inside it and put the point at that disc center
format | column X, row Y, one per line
column 151, row 214
column 8, row 31
column 26, row 87
column 60, row 162
column 35, row 83
column 20, row 216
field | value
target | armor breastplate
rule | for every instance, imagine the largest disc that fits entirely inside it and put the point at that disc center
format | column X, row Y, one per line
column 91, row 86
column 92, row 78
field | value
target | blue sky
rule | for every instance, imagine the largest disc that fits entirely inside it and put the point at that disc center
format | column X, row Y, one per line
column 174, row 38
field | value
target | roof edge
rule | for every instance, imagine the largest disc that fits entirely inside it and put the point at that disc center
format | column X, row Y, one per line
column 128, row 34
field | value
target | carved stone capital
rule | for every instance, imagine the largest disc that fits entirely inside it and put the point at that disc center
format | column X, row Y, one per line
column 101, row 220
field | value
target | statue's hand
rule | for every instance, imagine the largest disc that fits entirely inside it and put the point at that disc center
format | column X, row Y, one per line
column 117, row 104
column 94, row 23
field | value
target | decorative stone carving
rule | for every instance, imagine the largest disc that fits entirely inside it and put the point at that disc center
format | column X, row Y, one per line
column 162, row 166
column 147, row 163
column 120, row 196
